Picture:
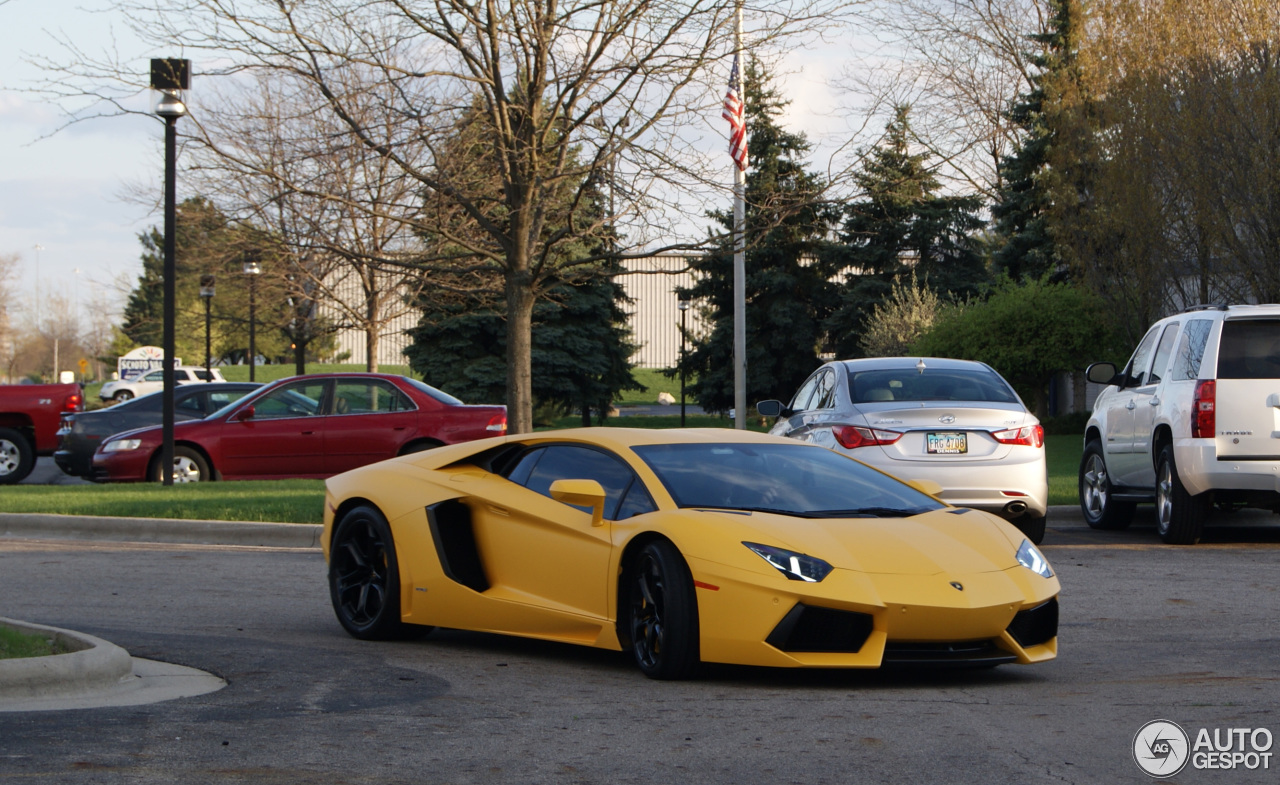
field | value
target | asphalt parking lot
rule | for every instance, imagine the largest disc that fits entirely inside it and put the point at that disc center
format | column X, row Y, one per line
column 1148, row 631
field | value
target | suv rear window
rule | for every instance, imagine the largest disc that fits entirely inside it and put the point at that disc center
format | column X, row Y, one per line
column 1249, row 349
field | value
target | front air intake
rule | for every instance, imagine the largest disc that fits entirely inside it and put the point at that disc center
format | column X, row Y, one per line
column 1037, row 625
column 807, row 628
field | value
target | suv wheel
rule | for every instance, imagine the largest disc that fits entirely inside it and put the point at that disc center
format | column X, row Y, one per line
column 1180, row 516
column 1100, row 510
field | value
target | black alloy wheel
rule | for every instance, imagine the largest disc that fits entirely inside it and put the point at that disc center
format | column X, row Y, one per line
column 662, row 613
column 364, row 579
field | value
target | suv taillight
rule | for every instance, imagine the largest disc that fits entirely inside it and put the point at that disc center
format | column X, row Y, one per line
column 1203, row 405
column 851, row 436
column 1030, row 436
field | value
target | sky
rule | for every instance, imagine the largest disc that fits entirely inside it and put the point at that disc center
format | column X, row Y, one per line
column 65, row 190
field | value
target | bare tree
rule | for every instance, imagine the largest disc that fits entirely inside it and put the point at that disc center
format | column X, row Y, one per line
column 959, row 64
column 571, row 89
column 8, row 339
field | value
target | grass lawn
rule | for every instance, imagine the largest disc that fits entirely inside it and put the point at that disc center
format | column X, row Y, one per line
column 1063, row 455
column 281, row 501
column 15, row 644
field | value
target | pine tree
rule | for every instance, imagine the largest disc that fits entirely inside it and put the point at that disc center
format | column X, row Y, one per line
column 1025, row 200
column 901, row 225
column 788, row 292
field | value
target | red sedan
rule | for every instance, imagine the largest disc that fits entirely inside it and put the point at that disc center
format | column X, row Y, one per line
column 304, row 426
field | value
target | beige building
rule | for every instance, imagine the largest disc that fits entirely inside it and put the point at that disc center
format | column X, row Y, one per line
column 654, row 314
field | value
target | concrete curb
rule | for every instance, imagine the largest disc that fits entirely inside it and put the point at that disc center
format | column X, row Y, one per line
column 94, row 664
column 42, row 526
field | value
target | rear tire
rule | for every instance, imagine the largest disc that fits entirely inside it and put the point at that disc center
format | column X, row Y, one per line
column 17, row 458
column 1180, row 517
column 1100, row 510
column 122, row 396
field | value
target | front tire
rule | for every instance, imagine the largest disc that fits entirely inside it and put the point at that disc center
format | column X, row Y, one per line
column 662, row 613
column 1100, row 510
column 364, row 578
column 17, row 458
column 1180, row 517
column 122, row 396
column 188, row 466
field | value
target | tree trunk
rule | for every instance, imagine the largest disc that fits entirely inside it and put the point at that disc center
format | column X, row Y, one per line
column 519, row 344
column 299, row 355
column 372, row 324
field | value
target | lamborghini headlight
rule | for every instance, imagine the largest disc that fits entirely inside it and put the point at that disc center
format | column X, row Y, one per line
column 1029, row 556
column 796, row 566
column 122, row 444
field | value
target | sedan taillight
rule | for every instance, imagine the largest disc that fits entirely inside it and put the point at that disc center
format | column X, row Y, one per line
column 851, row 436
column 1204, row 404
column 1028, row 436
column 497, row 423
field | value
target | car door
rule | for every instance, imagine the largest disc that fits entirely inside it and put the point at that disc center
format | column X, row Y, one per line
column 1122, row 461
column 1146, row 403
column 371, row 420
column 283, row 438
column 543, row 552
column 800, row 423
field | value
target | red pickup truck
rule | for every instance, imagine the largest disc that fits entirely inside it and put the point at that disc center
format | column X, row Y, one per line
column 29, row 419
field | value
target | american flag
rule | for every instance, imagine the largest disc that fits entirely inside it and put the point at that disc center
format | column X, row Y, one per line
column 733, row 112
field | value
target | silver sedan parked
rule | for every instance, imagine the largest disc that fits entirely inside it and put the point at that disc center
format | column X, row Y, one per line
column 954, row 422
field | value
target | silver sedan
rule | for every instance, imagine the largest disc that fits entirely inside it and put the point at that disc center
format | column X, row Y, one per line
column 957, row 423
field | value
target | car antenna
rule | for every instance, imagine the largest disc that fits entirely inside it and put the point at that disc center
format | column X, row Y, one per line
column 920, row 366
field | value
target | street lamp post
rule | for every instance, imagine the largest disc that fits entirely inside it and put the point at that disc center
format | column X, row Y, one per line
column 169, row 77
column 253, row 270
column 684, row 308
column 206, row 293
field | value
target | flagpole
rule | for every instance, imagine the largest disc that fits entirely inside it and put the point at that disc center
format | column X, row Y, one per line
column 739, row 259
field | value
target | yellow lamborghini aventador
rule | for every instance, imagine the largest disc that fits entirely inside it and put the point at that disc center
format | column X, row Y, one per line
column 683, row 546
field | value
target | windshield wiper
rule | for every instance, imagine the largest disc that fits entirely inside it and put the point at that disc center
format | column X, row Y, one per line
column 773, row 510
column 866, row 512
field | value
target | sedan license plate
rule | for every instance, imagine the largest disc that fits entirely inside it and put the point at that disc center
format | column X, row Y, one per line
column 946, row 443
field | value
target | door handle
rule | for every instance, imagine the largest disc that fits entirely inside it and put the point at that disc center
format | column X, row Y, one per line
column 496, row 510
column 307, row 433
column 1155, row 400
column 1131, row 405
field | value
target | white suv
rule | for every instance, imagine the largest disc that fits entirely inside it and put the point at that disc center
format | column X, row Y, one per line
column 1192, row 420
column 154, row 381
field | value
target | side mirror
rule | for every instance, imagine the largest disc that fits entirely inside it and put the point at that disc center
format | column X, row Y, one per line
column 1102, row 373
column 244, row 414
column 773, row 409
column 583, row 493
column 926, row 486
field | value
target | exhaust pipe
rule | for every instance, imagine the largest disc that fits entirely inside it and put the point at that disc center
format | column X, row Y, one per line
column 1014, row 509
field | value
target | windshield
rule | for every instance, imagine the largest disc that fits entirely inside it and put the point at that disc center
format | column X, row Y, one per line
column 792, row 479
column 908, row 384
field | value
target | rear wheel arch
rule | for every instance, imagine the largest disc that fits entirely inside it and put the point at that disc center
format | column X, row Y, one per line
column 420, row 445
column 1163, row 435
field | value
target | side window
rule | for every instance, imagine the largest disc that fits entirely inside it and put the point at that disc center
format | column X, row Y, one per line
column 1136, row 370
column 192, row 404
column 1163, row 352
column 570, row 462
column 367, row 396
column 637, row 502
column 220, row 398
column 154, row 376
column 824, row 396
column 519, row 473
column 1195, row 338
column 801, row 401
column 302, row 399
